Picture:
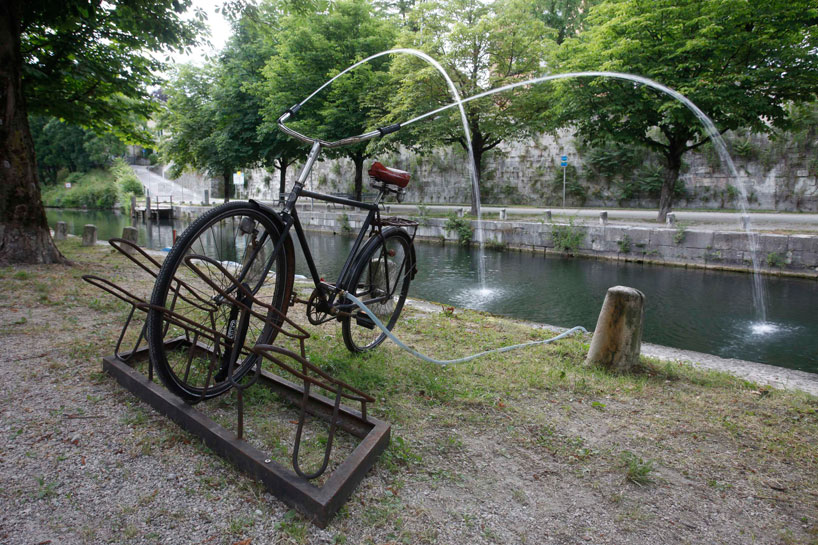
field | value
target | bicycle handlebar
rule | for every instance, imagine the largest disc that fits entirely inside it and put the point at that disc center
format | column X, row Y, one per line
column 290, row 113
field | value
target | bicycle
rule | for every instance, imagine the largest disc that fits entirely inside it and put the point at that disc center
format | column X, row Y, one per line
column 253, row 242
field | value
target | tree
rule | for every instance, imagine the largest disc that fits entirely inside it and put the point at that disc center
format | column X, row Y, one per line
column 481, row 46
column 310, row 50
column 567, row 17
column 59, row 145
column 741, row 62
column 193, row 125
column 255, row 36
column 85, row 61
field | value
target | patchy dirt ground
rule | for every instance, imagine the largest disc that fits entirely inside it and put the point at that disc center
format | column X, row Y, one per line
column 525, row 447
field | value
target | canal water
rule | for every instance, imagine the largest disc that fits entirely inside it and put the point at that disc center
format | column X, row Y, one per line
column 693, row 309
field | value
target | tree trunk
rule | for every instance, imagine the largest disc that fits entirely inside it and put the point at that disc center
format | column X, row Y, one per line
column 358, row 159
column 282, row 179
column 673, row 165
column 478, row 160
column 228, row 185
column 24, row 234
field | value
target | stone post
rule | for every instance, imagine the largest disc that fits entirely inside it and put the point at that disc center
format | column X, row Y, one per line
column 207, row 197
column 61, row 231
column 503, row 215
column 89, row 235
column 548, row 216
column 133, row 205
column 671, row 219
column 603, row 218
column 618, row 335
column 388, row 209
column 461, row 212
column 131, row 234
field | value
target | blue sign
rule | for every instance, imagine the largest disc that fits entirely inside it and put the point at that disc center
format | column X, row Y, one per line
column 564, row 160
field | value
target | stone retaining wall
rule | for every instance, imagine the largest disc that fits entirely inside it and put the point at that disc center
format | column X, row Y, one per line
column 731, row 250
column 776, row 254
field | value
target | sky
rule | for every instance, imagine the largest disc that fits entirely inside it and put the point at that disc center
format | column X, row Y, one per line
column 219, row 33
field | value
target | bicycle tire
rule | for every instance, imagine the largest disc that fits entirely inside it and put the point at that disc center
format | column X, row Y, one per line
column 228, row 234
column 381, row 275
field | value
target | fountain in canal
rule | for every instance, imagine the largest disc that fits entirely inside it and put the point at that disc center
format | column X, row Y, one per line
column 482, row 292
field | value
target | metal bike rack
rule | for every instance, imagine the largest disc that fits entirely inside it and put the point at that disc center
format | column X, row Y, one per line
column 318, row 503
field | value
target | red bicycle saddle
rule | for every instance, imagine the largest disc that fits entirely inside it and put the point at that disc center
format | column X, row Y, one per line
column 388, row 175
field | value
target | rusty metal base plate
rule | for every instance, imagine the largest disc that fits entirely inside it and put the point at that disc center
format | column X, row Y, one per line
column 319, row 504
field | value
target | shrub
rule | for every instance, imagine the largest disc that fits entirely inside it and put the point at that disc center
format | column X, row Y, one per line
column 131, row 184
column 461, row 226
column 95, row 189
column 567, row 237
column 624, row 244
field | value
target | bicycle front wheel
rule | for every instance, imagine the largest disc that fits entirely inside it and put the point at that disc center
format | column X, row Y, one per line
column 241, row 238
column 380, row 279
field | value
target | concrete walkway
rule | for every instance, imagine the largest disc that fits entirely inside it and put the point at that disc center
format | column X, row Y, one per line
column 163, row 188
column 727, row 220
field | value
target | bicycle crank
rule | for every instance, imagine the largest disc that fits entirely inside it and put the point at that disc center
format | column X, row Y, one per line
column 318, row 311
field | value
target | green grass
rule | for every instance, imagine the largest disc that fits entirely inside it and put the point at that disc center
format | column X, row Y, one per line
column 541, row 406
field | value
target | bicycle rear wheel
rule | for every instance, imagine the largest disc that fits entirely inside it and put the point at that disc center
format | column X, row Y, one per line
column 380, row 279
column 241, row 238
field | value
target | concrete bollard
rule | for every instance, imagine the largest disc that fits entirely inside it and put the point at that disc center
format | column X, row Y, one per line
column 131, row 234
column 671, row 219
column 388, row 209
column 207, row 197
column 89, row 235
column 603, row 218
column 503, row 214
column 461, row 212
column 548, row 216
column 133, row 205
column 618, row 335
column 61, row 231
column 745, row 222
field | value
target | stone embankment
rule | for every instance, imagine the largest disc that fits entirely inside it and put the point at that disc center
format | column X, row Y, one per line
column 795, row 255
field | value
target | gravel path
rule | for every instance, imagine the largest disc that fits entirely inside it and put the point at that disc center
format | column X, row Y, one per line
column 83, row 461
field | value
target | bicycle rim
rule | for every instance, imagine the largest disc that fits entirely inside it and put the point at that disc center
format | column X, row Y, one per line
column 381, row 281
column 241, row 239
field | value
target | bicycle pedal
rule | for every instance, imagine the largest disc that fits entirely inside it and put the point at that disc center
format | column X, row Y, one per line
column 364, row 320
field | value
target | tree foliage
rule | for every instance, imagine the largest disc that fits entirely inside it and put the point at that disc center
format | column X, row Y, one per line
column 741, row 62
column 481, row 46
column 60, row 145
column 90, row 62
column 85, row 61
column 311, row 49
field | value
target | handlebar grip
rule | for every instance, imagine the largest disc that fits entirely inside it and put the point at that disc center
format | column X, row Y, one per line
column 289, row 113
column 389, row 129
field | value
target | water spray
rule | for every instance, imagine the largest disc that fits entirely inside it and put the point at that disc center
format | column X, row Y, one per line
column 710, row 129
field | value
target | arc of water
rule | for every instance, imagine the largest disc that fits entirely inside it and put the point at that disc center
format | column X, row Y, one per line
column 457, row 101
column 710, row 128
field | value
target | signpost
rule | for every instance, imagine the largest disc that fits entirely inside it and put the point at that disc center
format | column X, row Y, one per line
column 563, row 164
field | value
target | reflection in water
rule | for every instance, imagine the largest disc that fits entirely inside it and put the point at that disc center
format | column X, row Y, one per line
column 700, row 310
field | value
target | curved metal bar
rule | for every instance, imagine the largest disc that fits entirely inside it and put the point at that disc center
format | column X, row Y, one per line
column 189, row 261
column 331, row 382
column 120, row 243
column 330, row 434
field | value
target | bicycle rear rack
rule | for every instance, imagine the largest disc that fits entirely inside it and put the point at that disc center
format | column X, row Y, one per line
column 318, row 503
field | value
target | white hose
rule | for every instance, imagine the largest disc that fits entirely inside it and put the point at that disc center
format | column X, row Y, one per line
column 424, row 357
